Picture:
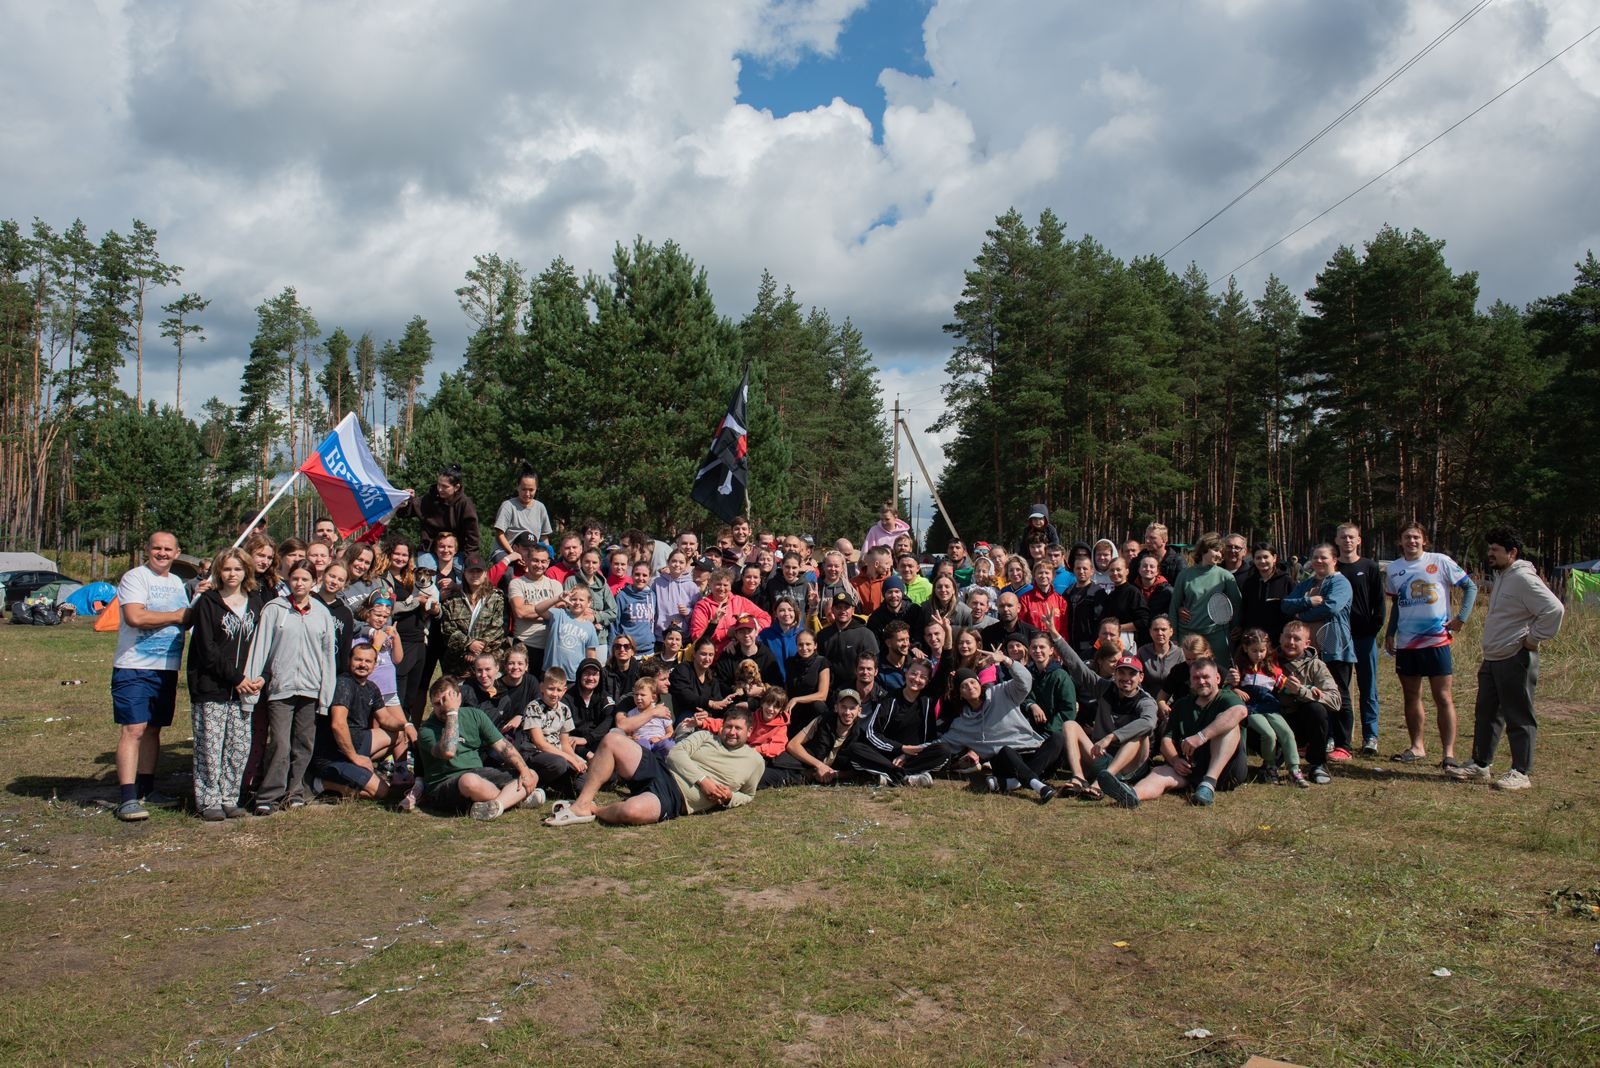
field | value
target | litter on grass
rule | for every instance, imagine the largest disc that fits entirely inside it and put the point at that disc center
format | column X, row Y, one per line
column 1442, row 973
column 1197, row 1032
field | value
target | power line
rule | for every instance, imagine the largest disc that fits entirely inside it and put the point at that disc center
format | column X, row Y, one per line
column 1351, row 110
column 1410, row 156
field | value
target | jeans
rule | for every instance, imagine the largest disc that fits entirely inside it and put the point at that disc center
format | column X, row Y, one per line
column 1341, row 722
column 1366, row 679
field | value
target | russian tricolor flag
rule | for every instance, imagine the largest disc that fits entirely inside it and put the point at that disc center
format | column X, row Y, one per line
column 351, row 484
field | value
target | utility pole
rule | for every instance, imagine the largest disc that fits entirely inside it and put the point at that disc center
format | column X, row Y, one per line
column 894, row 452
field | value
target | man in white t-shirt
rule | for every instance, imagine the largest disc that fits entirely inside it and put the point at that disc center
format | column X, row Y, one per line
column 1420, row 632
column 144, row 675
column 523, row 593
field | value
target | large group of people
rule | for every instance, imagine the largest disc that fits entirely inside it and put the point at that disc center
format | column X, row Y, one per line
column 689, row 677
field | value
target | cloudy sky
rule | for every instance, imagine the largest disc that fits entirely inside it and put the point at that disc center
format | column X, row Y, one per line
column 364, row 151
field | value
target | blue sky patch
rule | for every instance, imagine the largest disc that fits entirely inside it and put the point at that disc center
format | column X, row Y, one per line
column 885, row 33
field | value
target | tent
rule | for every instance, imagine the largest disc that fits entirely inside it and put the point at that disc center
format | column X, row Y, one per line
column 110, row 619
column 91, row 599
column 1583, row 583
column 26, row 562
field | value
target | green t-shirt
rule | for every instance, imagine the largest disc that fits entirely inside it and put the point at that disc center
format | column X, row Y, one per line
column 1190, row 717
column 477, row 736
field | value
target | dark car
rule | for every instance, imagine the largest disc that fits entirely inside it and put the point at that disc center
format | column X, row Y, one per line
column 20, row 585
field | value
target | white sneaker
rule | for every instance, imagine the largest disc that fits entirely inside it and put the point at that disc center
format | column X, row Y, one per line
column 535, row 798
column 1513, row 780
column 486, row 810
column 920, row 778
column 884, row 782
column 1469, row 772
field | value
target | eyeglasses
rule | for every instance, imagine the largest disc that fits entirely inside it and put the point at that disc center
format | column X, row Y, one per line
column 621, row 645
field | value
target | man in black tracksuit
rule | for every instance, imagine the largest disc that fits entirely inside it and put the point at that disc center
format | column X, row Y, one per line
column 900, row 735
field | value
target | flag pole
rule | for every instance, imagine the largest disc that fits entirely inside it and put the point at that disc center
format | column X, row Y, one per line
column 259, row 515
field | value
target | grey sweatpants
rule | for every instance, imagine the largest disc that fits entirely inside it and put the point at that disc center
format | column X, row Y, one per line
column 291, row 731
column 221, row 747
column 1505, row 702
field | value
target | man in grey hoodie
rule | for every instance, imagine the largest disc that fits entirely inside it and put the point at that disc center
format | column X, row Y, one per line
column 1522, row 613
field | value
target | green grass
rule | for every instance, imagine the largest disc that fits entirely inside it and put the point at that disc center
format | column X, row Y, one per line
column 816, row 927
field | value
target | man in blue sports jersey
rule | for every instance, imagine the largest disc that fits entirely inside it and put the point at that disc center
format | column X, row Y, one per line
column 1420, row 633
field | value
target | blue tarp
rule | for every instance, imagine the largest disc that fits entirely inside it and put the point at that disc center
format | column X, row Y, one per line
column 89, row 600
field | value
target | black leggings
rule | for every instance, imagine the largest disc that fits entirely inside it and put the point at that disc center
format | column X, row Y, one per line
column 1038, row 763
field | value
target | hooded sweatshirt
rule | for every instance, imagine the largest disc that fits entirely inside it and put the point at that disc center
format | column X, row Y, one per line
column 219, row 644
column 671, row 595
column 299, row 649
column 636, row 617
column 1521, row 609
column 999, row 720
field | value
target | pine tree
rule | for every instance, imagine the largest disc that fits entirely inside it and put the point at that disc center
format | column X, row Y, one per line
column 178, row 326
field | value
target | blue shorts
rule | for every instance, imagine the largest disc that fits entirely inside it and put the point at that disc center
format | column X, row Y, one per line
column 342, row 772
column 652, row 776
column 1430, row 663
column 141, row 695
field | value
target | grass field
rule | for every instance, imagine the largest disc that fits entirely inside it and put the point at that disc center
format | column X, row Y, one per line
column 847, row 926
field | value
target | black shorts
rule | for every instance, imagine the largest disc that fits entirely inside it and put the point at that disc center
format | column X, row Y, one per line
column 447, row 794
column 653, row 777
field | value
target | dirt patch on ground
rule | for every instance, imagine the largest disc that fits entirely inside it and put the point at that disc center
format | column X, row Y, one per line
column 775, row 898
column 823, row 1038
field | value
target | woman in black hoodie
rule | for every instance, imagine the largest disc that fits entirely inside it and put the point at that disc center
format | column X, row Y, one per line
column 1262, row 593
column 225, row 618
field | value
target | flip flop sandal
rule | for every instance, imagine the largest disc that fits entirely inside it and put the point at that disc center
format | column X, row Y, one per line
column 1406, row 756
column 1092, row 792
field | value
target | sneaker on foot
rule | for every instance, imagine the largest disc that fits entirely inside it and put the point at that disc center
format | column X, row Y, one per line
column 1320, row 776
column 264, row 808
column 1339, row 753
column 884, row 782
column 234, row 812
column 535, row 798
column 1268, row 776
column 214, row 814
column 920, row 778
column 486, row 810
column 1047, row 794
column 1513, row 780
column 132, row 812
column 1117, row 790
column 408, row 803
column 1469, row 772
column 986, row 784
column 294, row 803
column 1203, row 794
column 1298, row 777
column 1370, row 750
